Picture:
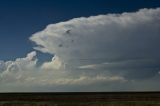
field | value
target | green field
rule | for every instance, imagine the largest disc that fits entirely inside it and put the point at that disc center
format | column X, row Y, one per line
column 81, row 99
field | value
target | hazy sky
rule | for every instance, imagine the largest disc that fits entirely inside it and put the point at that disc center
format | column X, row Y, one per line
column 79, row 45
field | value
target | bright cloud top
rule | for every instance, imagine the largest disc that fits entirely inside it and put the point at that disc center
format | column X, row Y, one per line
column 104, row 52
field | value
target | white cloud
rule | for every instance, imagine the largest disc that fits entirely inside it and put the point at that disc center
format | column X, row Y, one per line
column 104, row 52
column 127, row 41
column 55, row 64
column 13, row 70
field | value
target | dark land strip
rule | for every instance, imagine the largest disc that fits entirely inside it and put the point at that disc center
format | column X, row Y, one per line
column 81, row 99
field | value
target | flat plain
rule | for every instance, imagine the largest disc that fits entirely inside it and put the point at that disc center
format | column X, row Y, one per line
column 81, row 99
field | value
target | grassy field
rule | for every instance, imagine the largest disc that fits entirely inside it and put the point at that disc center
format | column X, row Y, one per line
column 81, row 99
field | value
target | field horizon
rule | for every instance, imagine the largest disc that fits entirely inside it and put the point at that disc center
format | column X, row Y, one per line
column 127, row 98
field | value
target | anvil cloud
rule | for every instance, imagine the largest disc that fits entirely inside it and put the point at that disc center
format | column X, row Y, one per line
column 102, row 53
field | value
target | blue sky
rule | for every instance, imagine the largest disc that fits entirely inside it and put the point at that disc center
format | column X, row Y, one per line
column 20, row 19
column 79, row 45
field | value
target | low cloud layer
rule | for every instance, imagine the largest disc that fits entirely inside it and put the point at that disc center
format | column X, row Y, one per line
column 101, row 53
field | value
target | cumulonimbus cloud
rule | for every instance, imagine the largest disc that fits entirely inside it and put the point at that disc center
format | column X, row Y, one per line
column 126, row 43
column 103, row 50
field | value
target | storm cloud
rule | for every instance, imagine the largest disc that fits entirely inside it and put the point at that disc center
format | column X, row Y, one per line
column 102, row 53
column 126, row 43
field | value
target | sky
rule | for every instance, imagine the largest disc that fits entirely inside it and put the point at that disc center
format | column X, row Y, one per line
column 79, row 45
